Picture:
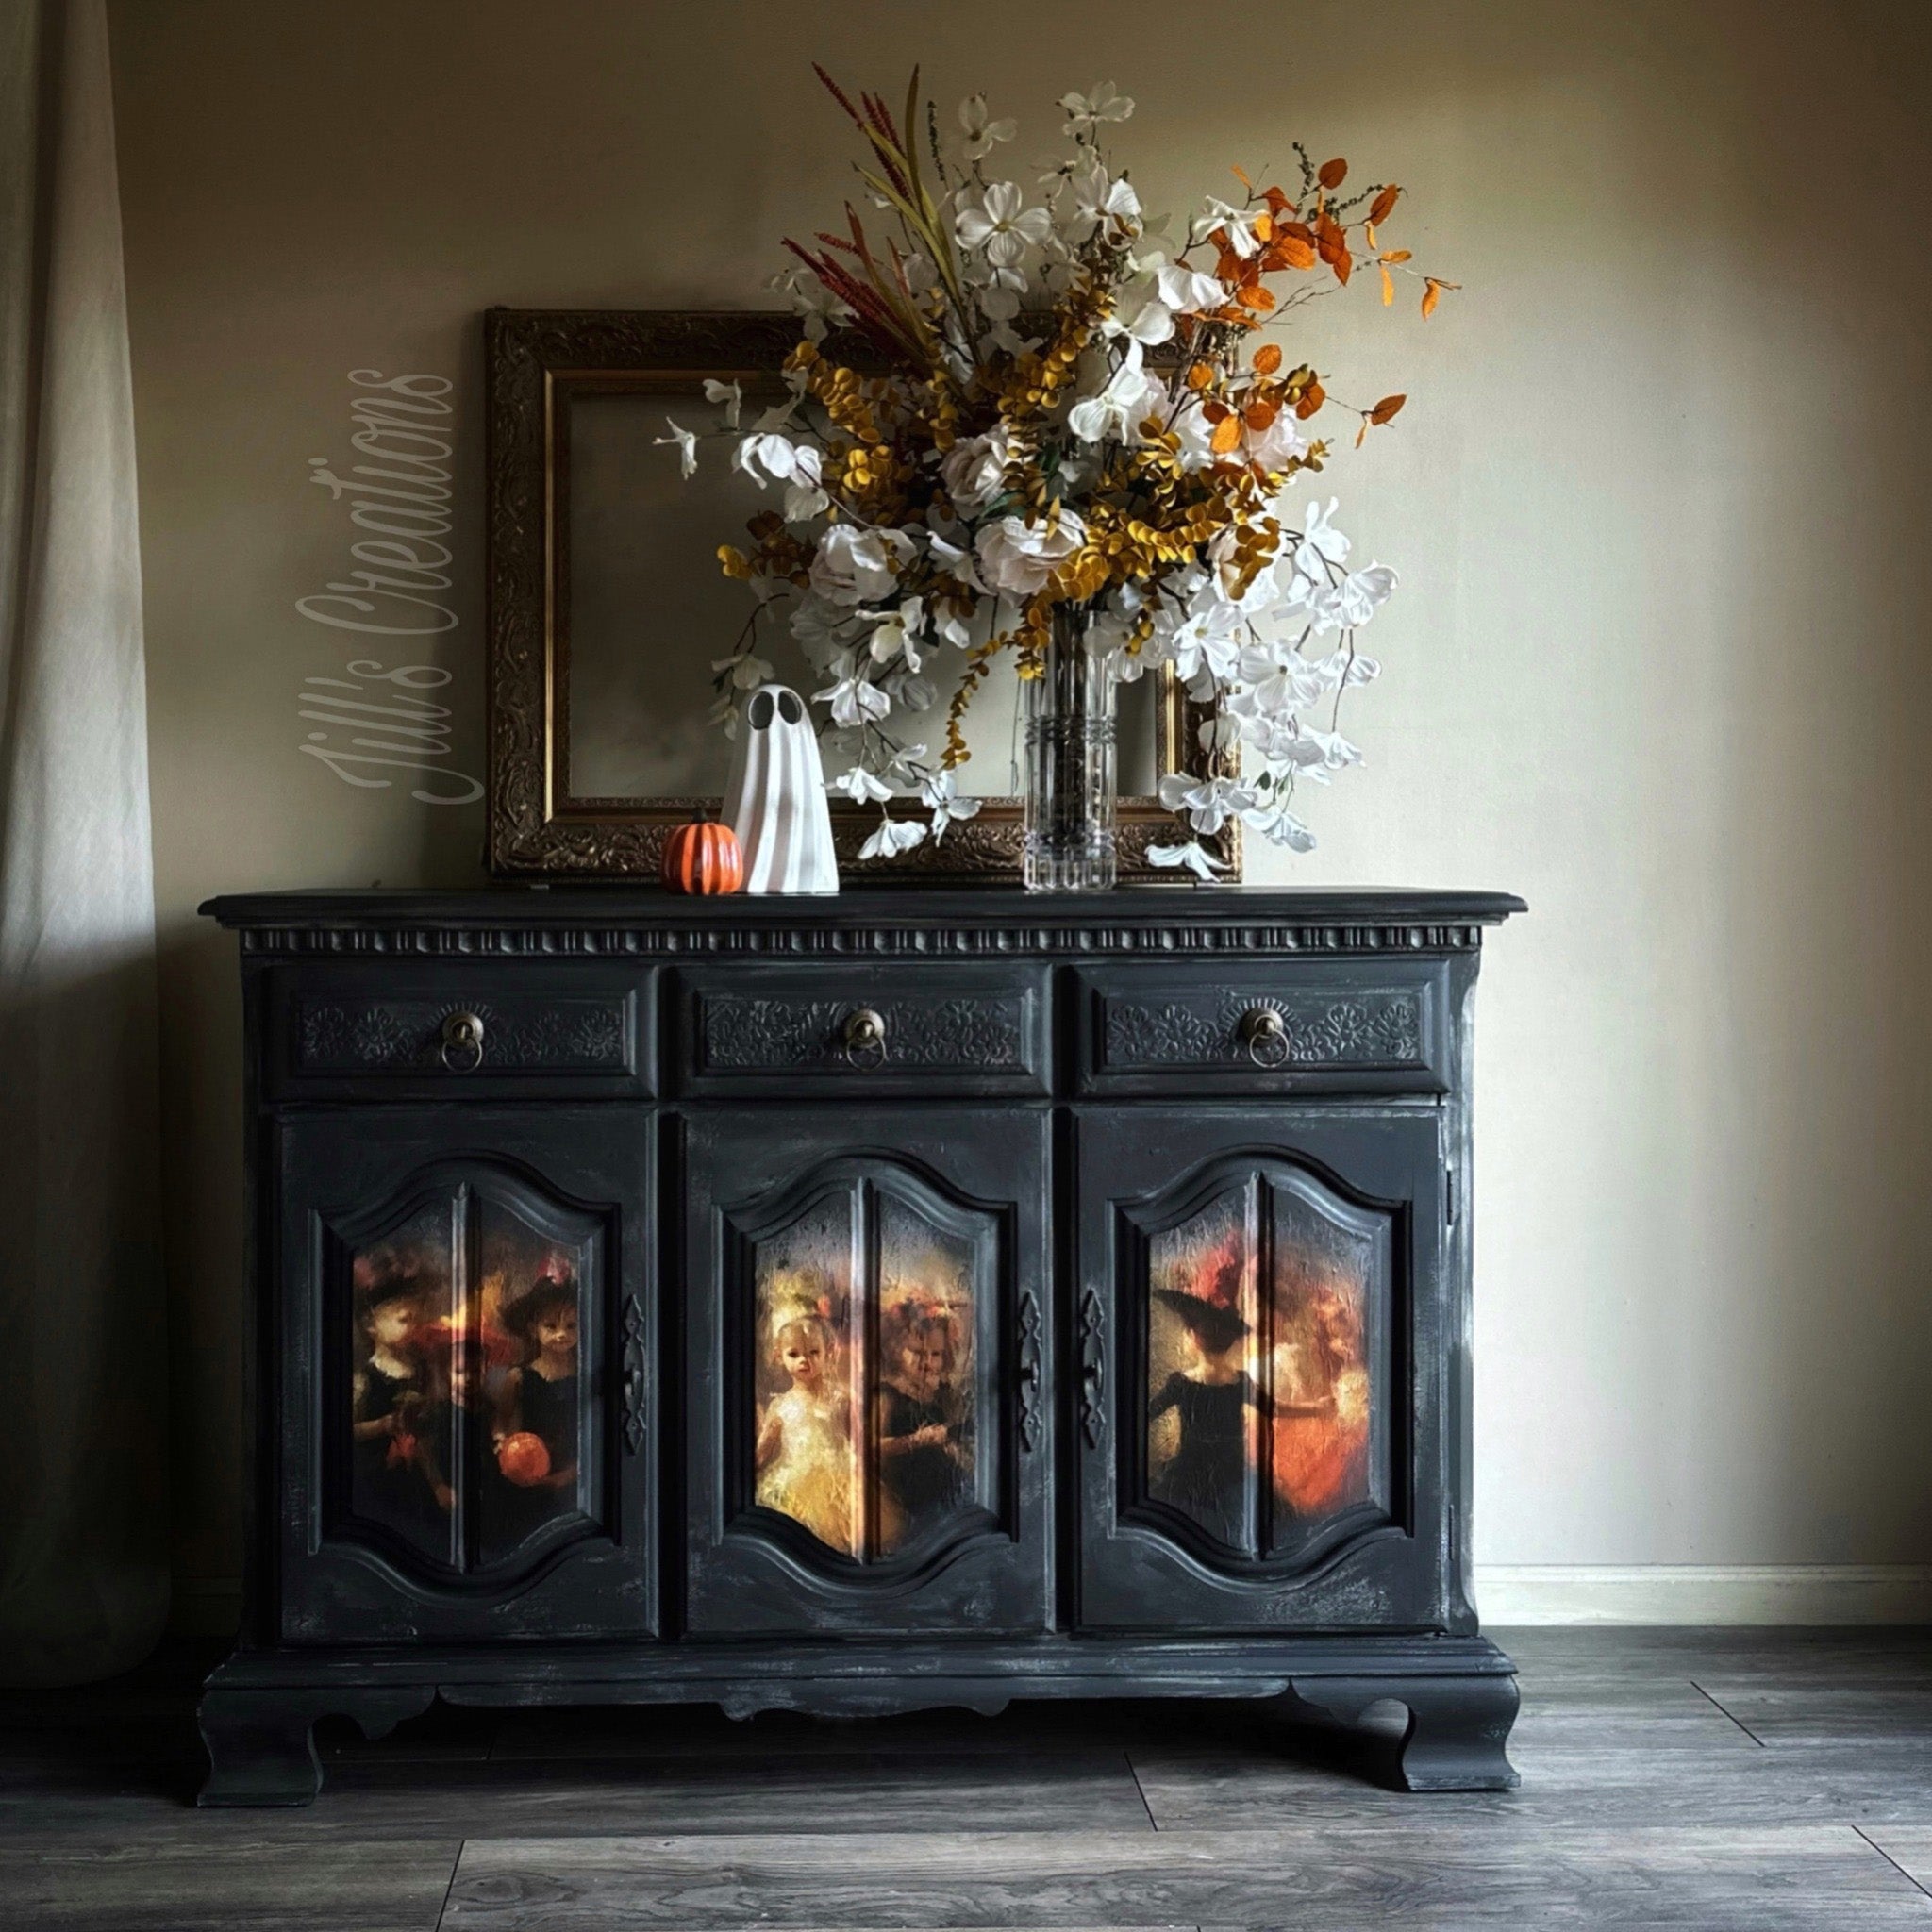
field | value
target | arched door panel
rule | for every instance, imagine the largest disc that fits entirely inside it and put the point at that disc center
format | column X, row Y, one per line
column 1260, row 1416
column 866, row 1448
column 468, row 1309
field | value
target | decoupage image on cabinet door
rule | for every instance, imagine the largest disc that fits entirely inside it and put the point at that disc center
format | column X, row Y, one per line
column 464, row 1388
column 865, row 1405
column 1259, row 1394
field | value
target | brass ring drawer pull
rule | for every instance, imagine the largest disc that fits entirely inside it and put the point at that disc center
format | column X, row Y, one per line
column 462, row 1042
column 1264, row 1033
column 864, row 1039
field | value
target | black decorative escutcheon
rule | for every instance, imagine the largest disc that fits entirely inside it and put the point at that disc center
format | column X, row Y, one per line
column 1029, row 1372
column 1092, row 1367
column 633, row 1384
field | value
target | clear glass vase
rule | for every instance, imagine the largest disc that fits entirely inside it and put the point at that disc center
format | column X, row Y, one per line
column 1069, row 765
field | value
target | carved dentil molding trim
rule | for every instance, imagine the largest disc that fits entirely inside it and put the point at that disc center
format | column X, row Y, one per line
column 566, row 942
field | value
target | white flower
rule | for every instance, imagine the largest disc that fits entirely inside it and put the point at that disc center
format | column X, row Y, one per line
column 772, row 459
column 804, row 501
column 1194, row 854
column 1279, row 444
column 811, row 299
column 1209, row 640
column 1196, row 435
column 1240, row 224
column 992, row 219
column 822, row 629
column 1085, row 112
column 747, row 672
column 1361, row 595
column 1320, row 535
column 938, row 793
column 859, row 786
column 1346, row 669
column 1019, row 556
column 912, row 694
column 686, row 442
column 1335, row 752
column 953, row 561
column 1003, row 336
column 1276, row 821
column 1130, row 397
column 852, row 700
column 981, row 133
column 1206, row 803
column 1139, row 312
column 892, row 837
column 853, row 565
column 1097, row 198
column 975, row 471
column 1187, row 291
column 1319, row 545
column 1274, row 734
column 999, row 296
column 895, row 635
column 1219, row 733
column 730, row 395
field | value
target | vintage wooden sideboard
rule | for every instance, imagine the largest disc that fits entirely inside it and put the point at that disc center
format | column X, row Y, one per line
column 906, row 1299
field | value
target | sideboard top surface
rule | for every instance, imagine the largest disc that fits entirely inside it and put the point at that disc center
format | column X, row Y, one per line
column 524, row 919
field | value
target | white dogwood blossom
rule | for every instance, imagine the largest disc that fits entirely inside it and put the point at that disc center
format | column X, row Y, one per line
column 995, row 221
column 892, row 837
column 981, row 134
column 1086, row 112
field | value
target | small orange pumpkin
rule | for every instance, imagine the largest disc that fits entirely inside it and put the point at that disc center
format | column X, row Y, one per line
column 703, row 858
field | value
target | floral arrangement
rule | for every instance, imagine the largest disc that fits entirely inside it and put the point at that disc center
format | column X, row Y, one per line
column 1016, row 413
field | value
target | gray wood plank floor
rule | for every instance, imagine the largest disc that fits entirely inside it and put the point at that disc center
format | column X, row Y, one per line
column 1705, row 1779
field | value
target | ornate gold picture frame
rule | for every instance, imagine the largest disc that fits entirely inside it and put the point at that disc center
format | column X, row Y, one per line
column 556, row 374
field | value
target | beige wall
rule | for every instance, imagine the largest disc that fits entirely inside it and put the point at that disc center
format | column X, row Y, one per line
column 1658, row 662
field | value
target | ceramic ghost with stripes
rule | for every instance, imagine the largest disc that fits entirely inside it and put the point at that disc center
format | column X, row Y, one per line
column 775, row 799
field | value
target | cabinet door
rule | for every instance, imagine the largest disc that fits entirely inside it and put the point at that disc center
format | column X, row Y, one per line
column 869, row 1346
column 1260, row 1383
column 465, row 1411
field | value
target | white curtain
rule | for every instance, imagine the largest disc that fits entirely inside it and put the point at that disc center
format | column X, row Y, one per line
column 83, row 1434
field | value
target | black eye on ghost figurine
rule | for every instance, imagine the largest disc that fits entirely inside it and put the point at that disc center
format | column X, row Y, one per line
column 760, row 713
column 789, row 708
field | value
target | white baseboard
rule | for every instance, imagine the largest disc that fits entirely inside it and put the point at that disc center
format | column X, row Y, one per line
column 1506, row 1593
column 1704, row 1593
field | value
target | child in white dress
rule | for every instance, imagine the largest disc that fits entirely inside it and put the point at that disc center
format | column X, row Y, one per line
column 805, row 1442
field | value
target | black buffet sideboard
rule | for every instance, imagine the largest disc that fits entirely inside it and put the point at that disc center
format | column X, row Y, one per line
column 899, row 1300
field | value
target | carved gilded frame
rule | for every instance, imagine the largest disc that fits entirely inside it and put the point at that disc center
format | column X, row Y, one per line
column 536, row 360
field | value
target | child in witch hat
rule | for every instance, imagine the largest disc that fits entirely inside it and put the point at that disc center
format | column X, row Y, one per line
column 1207, row 1478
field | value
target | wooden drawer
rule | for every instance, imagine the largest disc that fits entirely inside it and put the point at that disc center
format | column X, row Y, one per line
column 797, row 1031
column 1287, row 1026
column 399, row 1031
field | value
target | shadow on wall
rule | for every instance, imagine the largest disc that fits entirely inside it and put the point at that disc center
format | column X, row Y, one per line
column 202, row 1223
column 83, row 1484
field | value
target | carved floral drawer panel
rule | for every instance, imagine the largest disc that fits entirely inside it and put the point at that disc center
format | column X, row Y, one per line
column 1305, row 1026
column 427, row 1030
column 967, row 1030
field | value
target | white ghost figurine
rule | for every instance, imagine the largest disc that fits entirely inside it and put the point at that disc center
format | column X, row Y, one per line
column 774, row 800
